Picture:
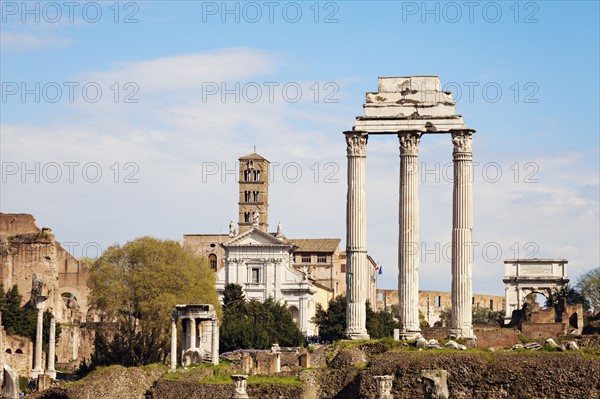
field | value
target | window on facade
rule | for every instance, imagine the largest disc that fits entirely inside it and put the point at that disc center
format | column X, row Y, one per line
column 343, row 268
column 321, row 258
column 246, row 217
column 212, row 259
column 246, row 175
column 246, row 196
column 255, row 196
column 491, row 304
column 305, row 258
column 438, row 301
column 255, row 275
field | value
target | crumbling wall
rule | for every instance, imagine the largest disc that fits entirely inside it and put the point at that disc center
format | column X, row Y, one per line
column 17, row 352
column 496, row 337
column 26, row 249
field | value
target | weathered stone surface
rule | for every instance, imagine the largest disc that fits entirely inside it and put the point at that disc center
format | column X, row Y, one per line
column 435, row 384
column 572, row 346
column 421, row 343
column 455, row 345
column 551, row 343
column 10, row 383
column 533, row 346
column 517, row 346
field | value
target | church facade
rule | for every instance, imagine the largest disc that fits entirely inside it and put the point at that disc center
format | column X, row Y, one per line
column 268, row 264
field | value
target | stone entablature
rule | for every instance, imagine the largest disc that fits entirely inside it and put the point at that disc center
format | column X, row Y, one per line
column 525, row 276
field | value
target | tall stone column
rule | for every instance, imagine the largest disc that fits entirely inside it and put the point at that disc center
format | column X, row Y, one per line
column 51, row 348
column 215, row 342
column 193, row 343
column 462, row 228
column 173, row 343
column 37, row 359
column 357, row 273
column 408, row 241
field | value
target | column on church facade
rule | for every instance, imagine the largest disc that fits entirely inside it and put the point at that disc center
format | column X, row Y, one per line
column 357, row 273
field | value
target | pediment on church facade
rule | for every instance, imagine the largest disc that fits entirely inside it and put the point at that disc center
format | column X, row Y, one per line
column 256, row 237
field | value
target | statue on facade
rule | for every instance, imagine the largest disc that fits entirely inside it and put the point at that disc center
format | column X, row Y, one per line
column 255, row 216
column 279, row 230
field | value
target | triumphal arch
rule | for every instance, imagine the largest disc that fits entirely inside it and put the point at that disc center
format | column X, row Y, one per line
column 531, row 276
column 409, row 107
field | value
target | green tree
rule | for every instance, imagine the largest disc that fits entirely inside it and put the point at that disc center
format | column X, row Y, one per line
column 380, row 324
column 137, row 286
column 589, row 286
column 332, row 322
column 22, row 321
column 566, row 295
column 255, row 325
column 487, row 316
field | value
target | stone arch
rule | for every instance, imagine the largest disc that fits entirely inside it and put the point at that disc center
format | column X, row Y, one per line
column 295, row 313
column 9, row 351
column 19, row 351
column 525, row 276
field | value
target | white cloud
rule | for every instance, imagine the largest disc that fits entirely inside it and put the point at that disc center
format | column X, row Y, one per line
column 172, row 134
column 21, row 42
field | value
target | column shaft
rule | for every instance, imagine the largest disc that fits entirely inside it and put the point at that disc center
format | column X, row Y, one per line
column 193, row 329
column 37, row 363
column 356, row 237
column 215, row 342
column 462, row 228
column 408, row 242
column 51, row 349
column 173, row 344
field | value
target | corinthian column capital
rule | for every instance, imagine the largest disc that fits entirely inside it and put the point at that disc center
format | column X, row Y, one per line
column 462, row 140
column 409, row 143
column 356, row 143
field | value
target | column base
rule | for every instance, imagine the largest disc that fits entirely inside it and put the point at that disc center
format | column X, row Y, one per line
column 51, row 374
column 466, row 333
column 410, row 335
column 358, row 335
column 35, row 372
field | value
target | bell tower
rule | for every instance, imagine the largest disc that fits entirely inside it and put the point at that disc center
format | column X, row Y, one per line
column 254, row 192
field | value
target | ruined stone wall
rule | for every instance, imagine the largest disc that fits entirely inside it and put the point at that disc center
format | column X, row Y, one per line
column 17, row 352
column 499, row 338
column 262, row 362
column 12, row 224
column 431, row 303
column 26, row 249
column 542, row 330
column 75, row 344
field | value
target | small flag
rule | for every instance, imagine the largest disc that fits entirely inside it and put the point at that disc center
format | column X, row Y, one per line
column 380, row 269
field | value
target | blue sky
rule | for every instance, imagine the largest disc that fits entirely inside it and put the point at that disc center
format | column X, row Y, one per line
column 525, row 75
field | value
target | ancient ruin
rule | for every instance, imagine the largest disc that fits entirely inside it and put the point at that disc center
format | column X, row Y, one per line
column 199, row 335
column 409, row 107
column 526, row 276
